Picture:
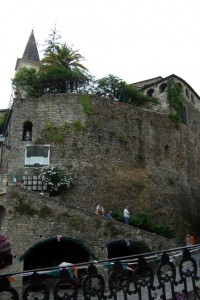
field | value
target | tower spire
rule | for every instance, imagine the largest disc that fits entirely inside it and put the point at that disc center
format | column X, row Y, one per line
column 31, row 51
column 30, row 58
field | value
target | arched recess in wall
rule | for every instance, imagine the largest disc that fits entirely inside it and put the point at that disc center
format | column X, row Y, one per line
column 122, row 248
column 180, row 84
column 27, row 131
column 150, row 92
column 187, row 93
column 192, row 97
column 166, row 151
column 53, row 251
column 2, row 218
column 163, row 87
column 184, row 116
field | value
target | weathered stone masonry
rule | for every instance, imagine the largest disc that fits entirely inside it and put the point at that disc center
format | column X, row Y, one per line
column 123, row 155
column 96, row 232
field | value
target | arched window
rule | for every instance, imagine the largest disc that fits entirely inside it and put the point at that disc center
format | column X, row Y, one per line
column 163, row 87
column 180, row 84
column 192, row 98
column 187, row 93
column 150, row 92
column 27, row 131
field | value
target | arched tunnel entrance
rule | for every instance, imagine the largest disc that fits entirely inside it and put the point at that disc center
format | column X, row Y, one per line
column 52, row 252
column 123, row 248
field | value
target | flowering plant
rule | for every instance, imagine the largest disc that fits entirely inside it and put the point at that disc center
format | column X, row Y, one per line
column 54, row 177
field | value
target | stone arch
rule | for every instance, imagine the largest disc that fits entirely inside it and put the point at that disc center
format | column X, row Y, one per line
column 27, row 131
column 121, row 248
column 162, row 87
column 2, row 218
column 53, row 251
column 150, row 92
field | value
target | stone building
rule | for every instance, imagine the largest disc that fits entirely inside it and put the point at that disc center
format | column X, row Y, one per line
column 124, row 155
column 157, row 87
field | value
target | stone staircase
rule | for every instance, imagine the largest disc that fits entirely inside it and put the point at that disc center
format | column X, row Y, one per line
column 3, row 183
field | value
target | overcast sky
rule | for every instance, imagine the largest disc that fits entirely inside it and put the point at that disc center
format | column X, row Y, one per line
column 132, row 39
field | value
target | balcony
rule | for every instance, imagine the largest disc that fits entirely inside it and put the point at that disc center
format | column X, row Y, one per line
column 166, row 273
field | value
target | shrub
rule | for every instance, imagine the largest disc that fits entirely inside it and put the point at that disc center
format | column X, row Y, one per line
column 55, row 177
column 77, row 125
column 143, row 221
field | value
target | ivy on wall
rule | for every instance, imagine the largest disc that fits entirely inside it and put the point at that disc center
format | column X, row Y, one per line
column 176, row 100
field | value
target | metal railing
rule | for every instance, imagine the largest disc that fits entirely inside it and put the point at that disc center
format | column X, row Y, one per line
column 167, row 273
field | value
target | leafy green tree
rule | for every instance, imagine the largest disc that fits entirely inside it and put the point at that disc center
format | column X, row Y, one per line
column 26, row 80
column 63, row 66
column 60, row 71
column 110, row 85
column 116, row 87
column 133, row 96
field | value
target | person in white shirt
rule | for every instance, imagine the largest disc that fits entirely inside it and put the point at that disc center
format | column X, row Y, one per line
column 100, row 210
column 126, row 215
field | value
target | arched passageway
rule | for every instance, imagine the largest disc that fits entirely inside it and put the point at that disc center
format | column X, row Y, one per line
column 52, row 252
column 123, row 248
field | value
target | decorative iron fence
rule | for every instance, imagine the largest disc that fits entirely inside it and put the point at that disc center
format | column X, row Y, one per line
column 172, row 274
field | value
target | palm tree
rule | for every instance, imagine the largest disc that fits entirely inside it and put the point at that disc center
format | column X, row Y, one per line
column 64, row 56
column 68, row 72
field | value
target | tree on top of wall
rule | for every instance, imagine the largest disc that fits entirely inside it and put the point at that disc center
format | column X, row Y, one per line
column 61, row 70
column 117, row 88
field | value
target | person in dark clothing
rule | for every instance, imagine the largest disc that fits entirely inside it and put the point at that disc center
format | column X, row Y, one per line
column 5, row 252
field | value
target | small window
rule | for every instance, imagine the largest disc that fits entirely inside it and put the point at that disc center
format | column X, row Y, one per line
column 192, row 98
column 187, row 93
column 37, row 155
column 150, row 92
column 180, row 85
column 27, row 131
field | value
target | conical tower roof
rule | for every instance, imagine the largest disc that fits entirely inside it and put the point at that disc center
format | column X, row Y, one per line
column 31, row 51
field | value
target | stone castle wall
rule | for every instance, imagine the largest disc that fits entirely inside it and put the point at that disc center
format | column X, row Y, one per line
column 122, row 156
column 111, row 140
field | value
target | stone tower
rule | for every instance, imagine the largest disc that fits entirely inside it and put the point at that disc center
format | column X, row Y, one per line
column 30, row 58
